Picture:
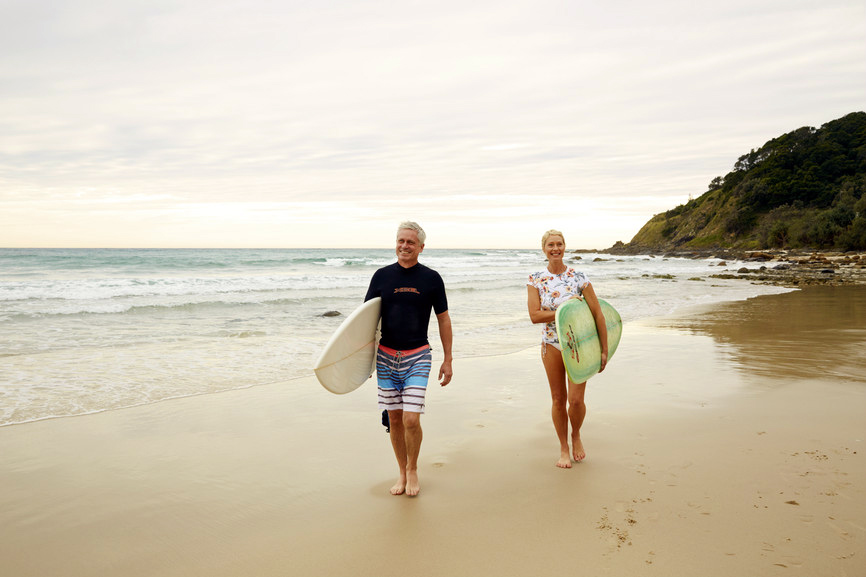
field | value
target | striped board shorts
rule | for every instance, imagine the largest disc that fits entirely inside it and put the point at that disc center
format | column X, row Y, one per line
column 402, row 377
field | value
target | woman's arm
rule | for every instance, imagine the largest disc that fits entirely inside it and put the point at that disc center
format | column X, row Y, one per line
column 600, row 323
column 536, row 315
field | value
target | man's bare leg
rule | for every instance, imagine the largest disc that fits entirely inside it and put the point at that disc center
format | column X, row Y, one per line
column 398, row 442
column 413, row 435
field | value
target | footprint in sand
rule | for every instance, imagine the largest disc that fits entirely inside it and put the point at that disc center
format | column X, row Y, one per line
column 650, row 557
column 817, row 456
column 842, row 532
column 615, row 536
column 790, row 562
column 618, row 536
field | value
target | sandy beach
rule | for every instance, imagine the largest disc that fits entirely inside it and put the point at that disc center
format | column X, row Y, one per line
column 724, row 441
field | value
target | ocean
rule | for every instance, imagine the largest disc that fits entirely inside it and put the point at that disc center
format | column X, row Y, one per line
column 89, row 330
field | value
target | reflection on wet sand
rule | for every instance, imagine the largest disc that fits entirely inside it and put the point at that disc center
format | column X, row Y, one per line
column 809, row 333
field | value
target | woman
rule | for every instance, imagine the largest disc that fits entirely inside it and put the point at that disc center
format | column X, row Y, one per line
column 547, row 290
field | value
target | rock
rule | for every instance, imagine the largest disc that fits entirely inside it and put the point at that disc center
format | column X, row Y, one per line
column 743, row 270
column 723, row 263
column 332, row 314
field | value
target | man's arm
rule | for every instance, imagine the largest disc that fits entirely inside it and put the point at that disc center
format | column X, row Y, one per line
column 373, row 288
column 447, row 337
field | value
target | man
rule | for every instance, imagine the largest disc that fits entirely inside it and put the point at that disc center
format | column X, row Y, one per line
column 409, row 290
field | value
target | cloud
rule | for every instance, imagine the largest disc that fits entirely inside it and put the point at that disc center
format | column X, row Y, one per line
column 367, row 104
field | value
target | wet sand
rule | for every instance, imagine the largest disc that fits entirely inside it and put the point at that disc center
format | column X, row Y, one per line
column 727, row 441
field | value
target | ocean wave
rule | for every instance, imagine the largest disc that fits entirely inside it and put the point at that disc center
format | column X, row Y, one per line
column 113, row 288
column 62, row 309
column 125, row 331
column 240, row 334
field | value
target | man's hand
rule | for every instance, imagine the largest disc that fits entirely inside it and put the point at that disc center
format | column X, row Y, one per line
column 445, row 373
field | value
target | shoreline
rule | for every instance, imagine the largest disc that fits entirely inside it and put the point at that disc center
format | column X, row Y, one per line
column 127, row 330
column 702, row 457
column 792, row 268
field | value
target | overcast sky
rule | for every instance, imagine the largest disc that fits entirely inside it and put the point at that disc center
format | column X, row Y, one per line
column 260, row 123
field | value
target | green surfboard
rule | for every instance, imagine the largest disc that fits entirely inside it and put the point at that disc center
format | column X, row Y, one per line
column 578, row 337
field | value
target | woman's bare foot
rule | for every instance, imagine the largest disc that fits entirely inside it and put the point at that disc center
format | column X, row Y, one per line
column 578, row 451
column 413, row 487
column 400, row 486
column 564, row 461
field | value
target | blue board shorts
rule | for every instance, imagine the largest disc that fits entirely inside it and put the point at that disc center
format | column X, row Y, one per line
column 402, row 378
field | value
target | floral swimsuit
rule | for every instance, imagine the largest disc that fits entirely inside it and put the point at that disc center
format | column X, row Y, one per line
column 555, row 289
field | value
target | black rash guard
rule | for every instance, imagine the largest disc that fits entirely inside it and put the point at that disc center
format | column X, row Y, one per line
column 407, row 294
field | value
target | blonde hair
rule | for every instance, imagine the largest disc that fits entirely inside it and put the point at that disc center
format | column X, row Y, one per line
column 410, row 225
column 550, row 233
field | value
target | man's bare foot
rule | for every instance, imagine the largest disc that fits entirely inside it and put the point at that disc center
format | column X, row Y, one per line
column 400, row 486
column 578, row 450
column 413, row 487
column 564, row 461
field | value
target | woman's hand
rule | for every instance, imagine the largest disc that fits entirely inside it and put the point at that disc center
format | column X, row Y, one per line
column 603, row 361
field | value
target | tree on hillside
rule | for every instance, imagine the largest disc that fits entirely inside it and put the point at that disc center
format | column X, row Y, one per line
column 803, row 188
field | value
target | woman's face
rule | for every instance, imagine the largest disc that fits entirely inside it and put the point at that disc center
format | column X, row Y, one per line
column 554, row 247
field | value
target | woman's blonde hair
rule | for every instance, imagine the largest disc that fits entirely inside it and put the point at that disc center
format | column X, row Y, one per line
column 550, row 233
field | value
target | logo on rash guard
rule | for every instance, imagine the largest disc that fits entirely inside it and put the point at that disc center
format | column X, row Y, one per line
column 407, row 289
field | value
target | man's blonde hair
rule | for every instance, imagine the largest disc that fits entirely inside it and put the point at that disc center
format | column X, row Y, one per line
column 408, row 224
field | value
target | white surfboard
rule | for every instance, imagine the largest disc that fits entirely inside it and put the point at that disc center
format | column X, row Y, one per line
column 350, row 355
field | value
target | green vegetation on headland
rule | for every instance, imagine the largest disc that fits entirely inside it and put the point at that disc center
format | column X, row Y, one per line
column 803, row 190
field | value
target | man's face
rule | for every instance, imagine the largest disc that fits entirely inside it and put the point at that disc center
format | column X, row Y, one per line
column 408, row 247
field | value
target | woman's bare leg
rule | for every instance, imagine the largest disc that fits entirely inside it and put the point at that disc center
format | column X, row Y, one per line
column 559, row 397
column 576, row 415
